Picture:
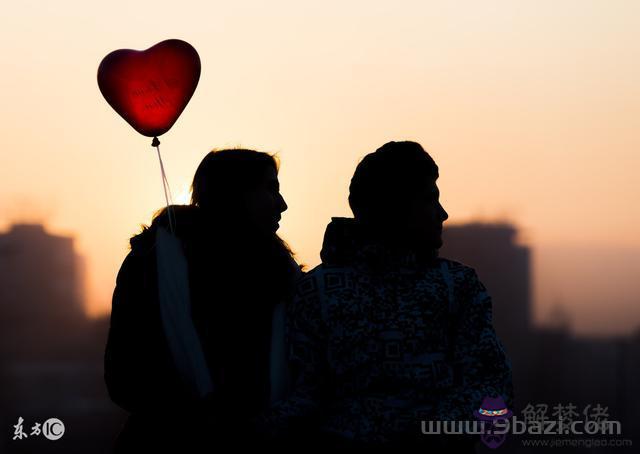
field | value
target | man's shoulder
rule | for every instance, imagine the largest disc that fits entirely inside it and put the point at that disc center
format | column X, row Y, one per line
column 465, row 279
column 322, row 277
column 327, row 273
column 455, row 267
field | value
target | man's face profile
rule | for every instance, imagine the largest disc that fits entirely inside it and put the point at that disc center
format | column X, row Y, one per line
column 425, row 215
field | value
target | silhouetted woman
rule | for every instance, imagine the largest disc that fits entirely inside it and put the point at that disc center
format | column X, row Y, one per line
column 240, row 273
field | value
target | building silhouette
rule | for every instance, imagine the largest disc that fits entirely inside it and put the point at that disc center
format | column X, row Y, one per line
column 504, row 268
column 551, row 366
column 50, row 353
column 41, row 289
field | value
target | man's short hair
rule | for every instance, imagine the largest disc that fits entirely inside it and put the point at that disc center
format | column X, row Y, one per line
column 389, row 177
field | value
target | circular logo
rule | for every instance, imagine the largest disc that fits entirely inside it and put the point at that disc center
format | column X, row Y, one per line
column 53, row 429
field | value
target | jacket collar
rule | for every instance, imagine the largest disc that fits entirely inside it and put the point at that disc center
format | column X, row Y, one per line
column 346, row 242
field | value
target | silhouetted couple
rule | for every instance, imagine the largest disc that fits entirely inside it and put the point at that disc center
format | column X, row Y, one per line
column 219, row 342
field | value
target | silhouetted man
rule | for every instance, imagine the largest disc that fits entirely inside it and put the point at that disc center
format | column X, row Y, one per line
column 384, row 334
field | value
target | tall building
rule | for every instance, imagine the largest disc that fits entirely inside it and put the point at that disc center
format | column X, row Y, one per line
column 41, row 288
column 50, row 353
column 505, row 269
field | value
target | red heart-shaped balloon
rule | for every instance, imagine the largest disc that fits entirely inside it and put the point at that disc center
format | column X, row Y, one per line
column 150, row 88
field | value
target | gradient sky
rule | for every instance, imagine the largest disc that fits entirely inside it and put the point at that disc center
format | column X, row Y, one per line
column 530, row 108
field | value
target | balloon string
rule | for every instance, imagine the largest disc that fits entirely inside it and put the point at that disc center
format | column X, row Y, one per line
column 165, row 187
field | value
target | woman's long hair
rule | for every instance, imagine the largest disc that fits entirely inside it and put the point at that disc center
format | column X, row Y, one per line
column 225, row 177
column 220, row 187
column 213, row 229
column 237, row 273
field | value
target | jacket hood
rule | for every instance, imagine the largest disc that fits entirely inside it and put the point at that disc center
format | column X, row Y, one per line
column 346, row 242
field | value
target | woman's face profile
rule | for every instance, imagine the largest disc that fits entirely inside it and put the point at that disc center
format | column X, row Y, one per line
column 264, row 204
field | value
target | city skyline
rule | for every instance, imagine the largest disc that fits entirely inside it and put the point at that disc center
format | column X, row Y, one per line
column 550, row 297
column 52, row 356
column 531, row 110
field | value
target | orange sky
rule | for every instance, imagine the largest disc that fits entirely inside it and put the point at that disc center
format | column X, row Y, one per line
column 530, row 108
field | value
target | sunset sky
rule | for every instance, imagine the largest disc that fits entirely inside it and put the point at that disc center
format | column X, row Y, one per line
column 530, row 108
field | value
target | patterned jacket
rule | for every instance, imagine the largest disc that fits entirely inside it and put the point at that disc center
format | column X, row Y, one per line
column 380, row 341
